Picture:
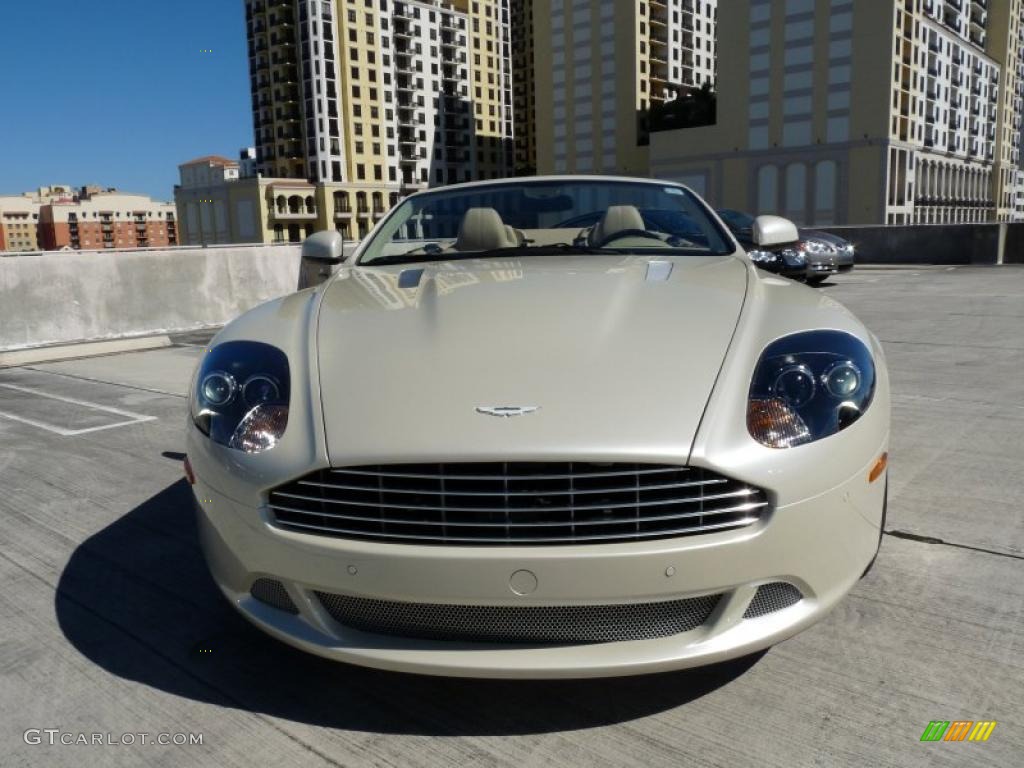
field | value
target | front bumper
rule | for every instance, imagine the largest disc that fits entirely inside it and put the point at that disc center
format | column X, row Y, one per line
column 821, row 546
column 822, row 267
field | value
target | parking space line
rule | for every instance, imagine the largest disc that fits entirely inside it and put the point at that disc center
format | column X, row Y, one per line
column 132, row 418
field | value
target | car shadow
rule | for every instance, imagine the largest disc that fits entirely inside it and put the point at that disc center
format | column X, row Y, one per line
column 137, row 600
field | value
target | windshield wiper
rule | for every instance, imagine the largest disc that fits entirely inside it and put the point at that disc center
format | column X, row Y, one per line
column 513, row 251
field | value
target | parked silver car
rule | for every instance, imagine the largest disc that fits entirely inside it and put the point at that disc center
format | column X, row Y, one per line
column 816, row 256
column 827, row 254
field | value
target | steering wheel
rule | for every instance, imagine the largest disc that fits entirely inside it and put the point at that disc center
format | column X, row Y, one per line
column 624, row 233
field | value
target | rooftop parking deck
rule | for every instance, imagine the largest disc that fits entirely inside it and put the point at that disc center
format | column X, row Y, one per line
column 110, row 623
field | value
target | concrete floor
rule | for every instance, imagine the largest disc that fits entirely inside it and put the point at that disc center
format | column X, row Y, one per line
column 109, row 621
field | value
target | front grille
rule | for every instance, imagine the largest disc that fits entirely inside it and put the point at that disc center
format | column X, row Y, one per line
column 577, row 624
column 272, row 592
column 773, row 597
column 515, row 503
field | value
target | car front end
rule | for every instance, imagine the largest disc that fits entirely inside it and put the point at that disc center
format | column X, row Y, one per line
column 827, row 253
column 568, row 466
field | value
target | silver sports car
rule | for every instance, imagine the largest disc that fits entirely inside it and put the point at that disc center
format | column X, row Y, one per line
column 555, row 427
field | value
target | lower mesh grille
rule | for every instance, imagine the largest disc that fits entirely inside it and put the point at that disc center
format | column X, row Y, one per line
column 273, row 593
column 773, row 597
column 578, row 624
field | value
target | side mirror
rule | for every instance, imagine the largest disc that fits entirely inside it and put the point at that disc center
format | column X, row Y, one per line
column 320, row 252
column 773, row 231
column 324, row 248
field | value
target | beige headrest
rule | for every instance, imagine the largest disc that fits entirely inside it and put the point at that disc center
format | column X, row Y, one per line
column 514, row 235
column 483, row 230
column 618, row 218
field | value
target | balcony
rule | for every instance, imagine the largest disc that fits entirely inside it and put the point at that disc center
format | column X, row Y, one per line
column 293, row 201
column 977, row 34
column 294, row 214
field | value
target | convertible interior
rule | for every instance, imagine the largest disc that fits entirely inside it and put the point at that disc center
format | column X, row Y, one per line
column 482, row 229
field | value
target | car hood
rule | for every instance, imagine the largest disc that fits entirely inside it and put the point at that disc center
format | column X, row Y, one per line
column 618, row 355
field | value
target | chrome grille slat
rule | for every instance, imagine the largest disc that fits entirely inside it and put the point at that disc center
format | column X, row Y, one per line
column 525, row 542
column 505, row 509
column 502, row 477
column 515, row 503
column 540, row 524
column 665, row 487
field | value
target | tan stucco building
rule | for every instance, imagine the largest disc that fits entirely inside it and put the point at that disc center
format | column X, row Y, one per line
column 835, row 112
column 598, row 69
column 218, row 205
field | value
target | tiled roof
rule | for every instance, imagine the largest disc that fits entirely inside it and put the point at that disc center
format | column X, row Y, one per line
column 211, row 160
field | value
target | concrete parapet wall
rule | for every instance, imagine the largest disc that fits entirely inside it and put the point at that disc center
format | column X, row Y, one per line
column 61, row 297
column 936, row 243
column 64, row 297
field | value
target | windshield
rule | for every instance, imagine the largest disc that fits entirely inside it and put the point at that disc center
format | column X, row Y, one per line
column 547, row 217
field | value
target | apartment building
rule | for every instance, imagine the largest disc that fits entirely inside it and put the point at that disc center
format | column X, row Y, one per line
column 598, row 69
column 835, row 112
column 20, row 228
column 362, row 101
column 524, row 90
column 90, row 218
column 108, row 219
column 19, row 223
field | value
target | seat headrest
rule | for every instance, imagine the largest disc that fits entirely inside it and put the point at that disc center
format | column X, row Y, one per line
column 483, row 230
column 618, row 218
column 514, row 235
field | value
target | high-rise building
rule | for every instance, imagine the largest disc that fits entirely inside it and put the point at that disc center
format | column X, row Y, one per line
column 599, row 68
column 362, row 102
column 524, row 90
column 835, row 112
column 90, row 218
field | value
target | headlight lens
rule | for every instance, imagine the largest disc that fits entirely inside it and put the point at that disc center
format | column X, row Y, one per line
column 816, row 246
column 808, row 386
column 762, row 257
column 218, row 388
column 241, row 395
column 794, row 256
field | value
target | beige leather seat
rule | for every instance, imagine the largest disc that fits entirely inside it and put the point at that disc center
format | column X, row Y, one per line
column 618, row 218
column 483, row 230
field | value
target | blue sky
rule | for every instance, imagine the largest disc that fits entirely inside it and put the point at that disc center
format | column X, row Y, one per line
column 118, row 92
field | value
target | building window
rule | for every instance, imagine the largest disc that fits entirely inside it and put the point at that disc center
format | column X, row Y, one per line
column 825, row 192
column 767, row 189
column 796, row 192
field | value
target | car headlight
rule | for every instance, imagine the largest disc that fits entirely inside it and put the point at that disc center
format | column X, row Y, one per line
column 762, row 257
column 808, row 386
column 241, row 393
column 794, row 257
column 816, row 246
